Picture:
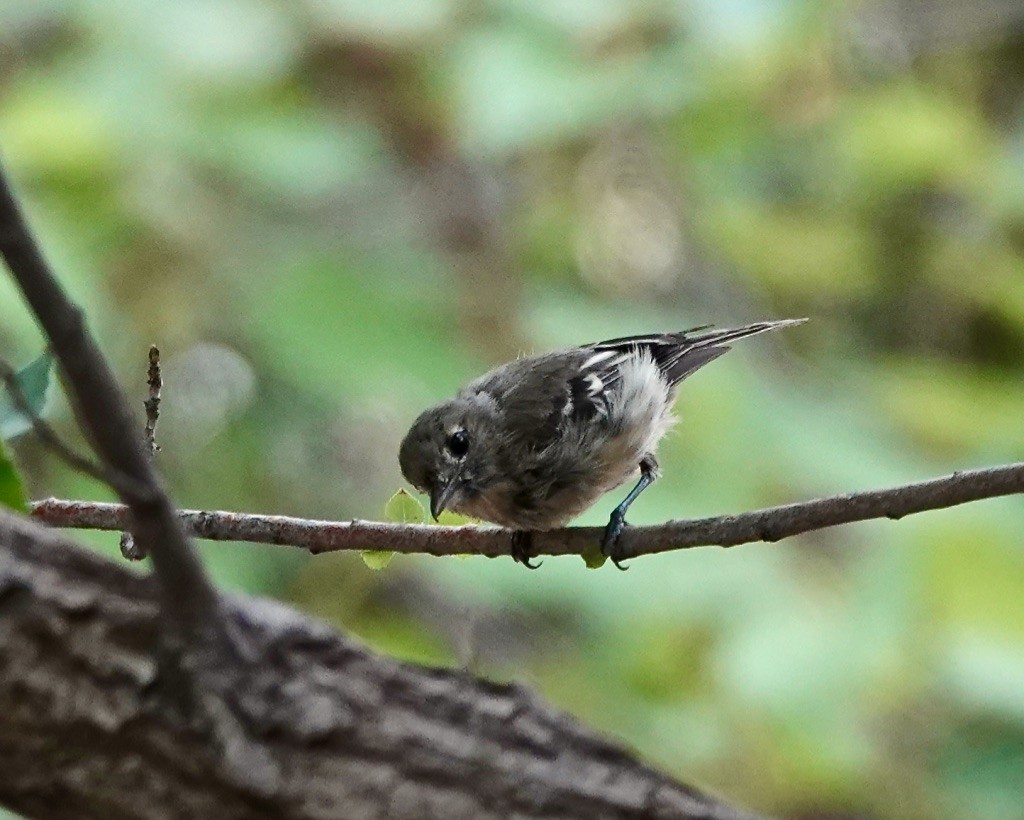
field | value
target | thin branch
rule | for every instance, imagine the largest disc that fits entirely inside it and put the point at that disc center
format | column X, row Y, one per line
column 771, row 524
column 129, row 549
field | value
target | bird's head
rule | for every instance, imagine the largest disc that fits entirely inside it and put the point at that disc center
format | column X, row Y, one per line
column 447, row 454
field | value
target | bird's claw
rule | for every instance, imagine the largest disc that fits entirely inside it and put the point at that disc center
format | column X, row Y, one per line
column 522, row 546
column 610, row 540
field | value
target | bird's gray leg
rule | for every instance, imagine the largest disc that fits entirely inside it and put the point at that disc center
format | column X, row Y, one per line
column 617, row 522
column 522, row 546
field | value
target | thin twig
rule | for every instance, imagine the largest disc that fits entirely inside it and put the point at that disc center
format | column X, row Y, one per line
column 152, row 404
column 771, row 524
column 129, row 549
column 49, row 437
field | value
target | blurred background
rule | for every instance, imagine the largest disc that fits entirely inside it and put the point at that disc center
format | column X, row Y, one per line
column 330, row 213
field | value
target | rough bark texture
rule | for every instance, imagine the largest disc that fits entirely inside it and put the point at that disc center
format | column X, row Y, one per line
column 93, row 725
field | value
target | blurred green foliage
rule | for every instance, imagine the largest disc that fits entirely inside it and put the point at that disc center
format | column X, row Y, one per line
column 331, row 213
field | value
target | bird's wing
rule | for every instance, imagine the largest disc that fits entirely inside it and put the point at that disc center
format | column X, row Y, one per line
column 546, row 393
column 542, row 393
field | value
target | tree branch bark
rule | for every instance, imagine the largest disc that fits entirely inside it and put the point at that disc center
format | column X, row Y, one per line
column 771, row 524
column 93, row 725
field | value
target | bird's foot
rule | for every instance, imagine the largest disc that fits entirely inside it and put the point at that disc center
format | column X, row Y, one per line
column 522, row 547
column 610, row 539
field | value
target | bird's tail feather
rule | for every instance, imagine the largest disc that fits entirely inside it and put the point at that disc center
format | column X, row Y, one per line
column 723, row 337
column 693, row 352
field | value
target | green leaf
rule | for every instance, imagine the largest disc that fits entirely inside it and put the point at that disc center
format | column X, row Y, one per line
column 11, row 493
column 447, row 518
column 402, row 508
column 376, row 559
column 34, row 380
column 593, row 557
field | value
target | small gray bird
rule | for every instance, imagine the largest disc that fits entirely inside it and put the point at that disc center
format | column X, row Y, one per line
column 533, row 443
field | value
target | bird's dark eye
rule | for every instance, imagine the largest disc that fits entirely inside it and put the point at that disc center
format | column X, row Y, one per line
column 458, row 443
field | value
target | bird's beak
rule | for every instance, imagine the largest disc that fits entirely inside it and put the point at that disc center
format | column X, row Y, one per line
column 441, row 494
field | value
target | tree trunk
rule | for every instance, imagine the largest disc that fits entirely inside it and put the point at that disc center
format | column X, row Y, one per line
column 93, row 724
